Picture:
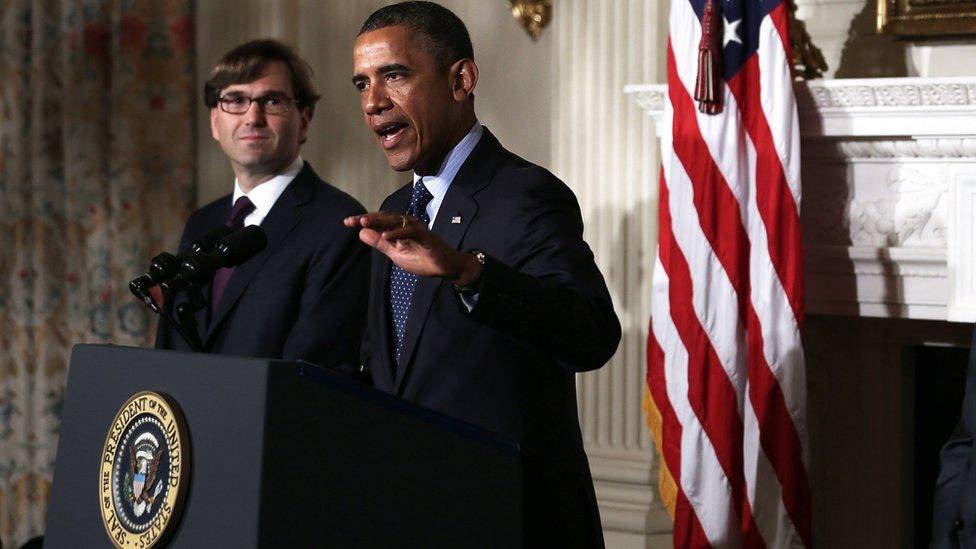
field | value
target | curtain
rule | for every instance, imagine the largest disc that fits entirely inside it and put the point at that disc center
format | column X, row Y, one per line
column 96, row 175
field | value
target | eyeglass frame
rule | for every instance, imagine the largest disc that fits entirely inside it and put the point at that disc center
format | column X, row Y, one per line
column 261, row 101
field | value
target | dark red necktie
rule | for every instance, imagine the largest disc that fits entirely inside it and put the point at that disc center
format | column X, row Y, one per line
column 242, row 208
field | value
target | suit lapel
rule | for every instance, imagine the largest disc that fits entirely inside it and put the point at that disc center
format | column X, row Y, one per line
column 282, row 218
column 454, row 216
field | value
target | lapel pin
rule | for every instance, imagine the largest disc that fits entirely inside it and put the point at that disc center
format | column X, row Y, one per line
column 455, row 220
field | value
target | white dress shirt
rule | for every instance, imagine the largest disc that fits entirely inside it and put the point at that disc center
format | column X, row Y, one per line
column 438, row 183
column 266, row 194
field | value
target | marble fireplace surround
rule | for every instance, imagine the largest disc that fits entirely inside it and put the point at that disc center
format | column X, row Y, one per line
column 889, row 219
column 889, row 194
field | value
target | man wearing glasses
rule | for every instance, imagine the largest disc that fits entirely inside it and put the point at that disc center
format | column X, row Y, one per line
column 304, row 296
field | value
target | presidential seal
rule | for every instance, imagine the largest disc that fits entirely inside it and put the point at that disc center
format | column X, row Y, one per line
column 143, row 477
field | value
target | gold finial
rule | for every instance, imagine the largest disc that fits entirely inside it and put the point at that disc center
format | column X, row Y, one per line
column 533, row 15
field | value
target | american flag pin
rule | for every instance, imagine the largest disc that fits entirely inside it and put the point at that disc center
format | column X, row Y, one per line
column 456, row 219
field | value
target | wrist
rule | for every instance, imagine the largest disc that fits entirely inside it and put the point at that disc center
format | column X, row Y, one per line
column 471, row 266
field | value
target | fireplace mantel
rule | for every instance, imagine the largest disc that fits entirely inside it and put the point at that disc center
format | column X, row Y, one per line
column 889, row 194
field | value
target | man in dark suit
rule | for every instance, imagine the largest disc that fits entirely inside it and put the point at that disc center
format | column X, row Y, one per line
column 304, row 296
column 954, row 509
column 485, row 301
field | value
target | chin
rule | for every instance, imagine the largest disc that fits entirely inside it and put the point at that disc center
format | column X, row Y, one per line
column 399, row 164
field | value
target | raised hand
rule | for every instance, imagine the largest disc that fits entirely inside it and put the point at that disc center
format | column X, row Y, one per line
column 413, row 247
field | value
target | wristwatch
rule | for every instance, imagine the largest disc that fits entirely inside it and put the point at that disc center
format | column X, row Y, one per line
column 475, row 285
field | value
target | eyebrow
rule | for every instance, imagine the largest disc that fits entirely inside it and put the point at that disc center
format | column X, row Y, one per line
column 385, row 69
column 265, row 94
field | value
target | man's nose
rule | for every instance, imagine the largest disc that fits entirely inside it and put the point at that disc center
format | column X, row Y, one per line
column 376, row 100
column 254, row 114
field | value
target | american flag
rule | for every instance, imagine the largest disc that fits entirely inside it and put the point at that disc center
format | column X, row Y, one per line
column 726, row 381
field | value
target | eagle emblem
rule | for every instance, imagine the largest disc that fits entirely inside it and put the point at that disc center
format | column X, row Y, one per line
column 143, row 478
column 140, row 483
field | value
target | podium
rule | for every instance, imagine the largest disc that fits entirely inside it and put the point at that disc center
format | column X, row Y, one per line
column 278, row 454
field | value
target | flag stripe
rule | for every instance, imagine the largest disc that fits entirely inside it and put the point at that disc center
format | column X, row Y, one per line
column 704, row 486
column 709, row 393
column 727, row 303
column 700, row 475
column 687, row 530
column 717, row 207
column 776, row 207
column 719, row 220
column 772, row 517
column 773, row 197
column 778, row 101
column 780, row 441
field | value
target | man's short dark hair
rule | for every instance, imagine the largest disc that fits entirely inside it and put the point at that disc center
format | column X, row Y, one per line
column 243, row 63
column 446, row 36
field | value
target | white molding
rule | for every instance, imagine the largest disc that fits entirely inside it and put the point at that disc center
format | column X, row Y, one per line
column 889, row 181
column 961, row 261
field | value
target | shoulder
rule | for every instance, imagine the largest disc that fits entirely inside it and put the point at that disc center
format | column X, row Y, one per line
column 210, row 215
column 526, row 182
column 398, row 199
column 326, row 198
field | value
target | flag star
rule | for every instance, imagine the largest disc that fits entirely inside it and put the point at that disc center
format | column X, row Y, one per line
column 731, row 32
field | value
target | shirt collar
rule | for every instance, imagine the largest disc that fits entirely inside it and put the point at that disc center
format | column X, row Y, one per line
column 438, row 183
column 266, row 194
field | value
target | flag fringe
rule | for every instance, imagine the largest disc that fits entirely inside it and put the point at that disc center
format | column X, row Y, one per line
column 666, row 485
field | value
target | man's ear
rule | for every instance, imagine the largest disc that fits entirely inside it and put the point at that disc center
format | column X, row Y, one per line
column 464, row 78
column 306, row 118
column 213, row 123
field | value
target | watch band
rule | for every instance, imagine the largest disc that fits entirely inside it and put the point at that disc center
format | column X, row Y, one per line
column 475, row 285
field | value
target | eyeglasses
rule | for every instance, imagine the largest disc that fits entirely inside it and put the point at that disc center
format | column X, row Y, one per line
column 273, row 103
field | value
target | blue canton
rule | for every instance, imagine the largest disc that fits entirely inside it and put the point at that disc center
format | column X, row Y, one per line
column 402, row 283
column 745, row 15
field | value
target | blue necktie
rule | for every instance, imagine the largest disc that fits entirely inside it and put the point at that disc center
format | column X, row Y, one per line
column 403, row 283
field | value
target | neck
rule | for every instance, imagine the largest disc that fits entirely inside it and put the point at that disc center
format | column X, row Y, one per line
column 461, row 130
column 249, row 178
column 250, row 181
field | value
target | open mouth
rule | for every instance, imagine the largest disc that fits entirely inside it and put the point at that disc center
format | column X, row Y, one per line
column 390, row 133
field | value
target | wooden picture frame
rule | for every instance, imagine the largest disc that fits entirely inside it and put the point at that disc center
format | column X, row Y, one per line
column 927, row 18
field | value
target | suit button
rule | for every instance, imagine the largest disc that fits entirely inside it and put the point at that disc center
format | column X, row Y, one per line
column 958, row 524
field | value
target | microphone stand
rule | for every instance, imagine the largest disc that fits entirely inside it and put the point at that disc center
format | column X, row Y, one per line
column 185, row 320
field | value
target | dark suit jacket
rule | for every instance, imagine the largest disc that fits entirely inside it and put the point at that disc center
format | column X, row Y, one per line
column 543, row 314
column 954, row 509
column 304, row 296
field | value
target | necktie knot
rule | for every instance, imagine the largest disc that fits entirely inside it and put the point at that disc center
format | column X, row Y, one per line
column 242, row 208
column 419, row 200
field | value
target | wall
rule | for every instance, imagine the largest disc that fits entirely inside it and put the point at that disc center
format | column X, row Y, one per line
column 845, row 31
column 512, row 94
column 605, row 148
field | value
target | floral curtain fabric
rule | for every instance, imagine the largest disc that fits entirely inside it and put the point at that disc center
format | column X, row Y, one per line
column 96, row 176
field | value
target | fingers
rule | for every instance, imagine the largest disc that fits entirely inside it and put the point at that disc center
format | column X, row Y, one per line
column 383, row 230
column 380, row 221
column 408, row 229
column 370, row 237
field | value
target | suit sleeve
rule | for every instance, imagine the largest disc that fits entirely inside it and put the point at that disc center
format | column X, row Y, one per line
column 332, row 312
column 551, row 294
column 954, row 472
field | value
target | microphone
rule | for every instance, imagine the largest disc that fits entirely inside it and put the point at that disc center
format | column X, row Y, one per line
column 232, row 250
column 208, row 241
column 166, row 265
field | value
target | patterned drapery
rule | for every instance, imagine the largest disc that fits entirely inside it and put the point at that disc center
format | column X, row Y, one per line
column 96, row 175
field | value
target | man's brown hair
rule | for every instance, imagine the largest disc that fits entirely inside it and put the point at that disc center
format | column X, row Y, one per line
column 242, row 64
